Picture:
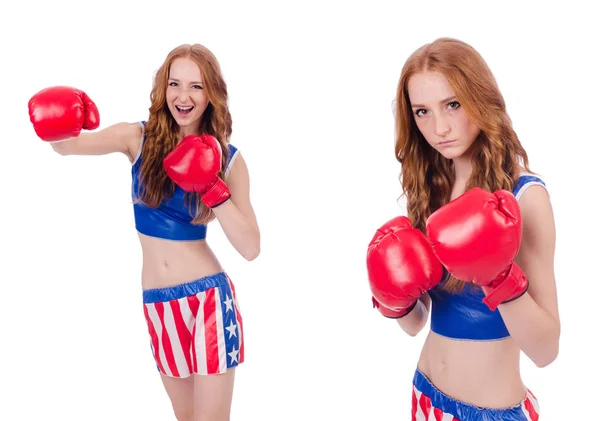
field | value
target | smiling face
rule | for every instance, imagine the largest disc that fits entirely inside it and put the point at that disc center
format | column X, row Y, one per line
column 439, row 116
column 186, row 96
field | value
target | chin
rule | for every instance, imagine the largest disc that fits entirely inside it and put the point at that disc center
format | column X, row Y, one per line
column 451, row 153
column 187, row 122
column 182, row 123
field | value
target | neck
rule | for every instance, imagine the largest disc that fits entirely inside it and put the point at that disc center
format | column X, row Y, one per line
column 463, row 166
column 188, row 130
column 462, row 169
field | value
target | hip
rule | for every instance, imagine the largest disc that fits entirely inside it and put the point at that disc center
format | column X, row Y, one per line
column 429, row 402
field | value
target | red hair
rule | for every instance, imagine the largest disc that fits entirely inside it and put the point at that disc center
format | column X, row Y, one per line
column 162, row 132
column 426, row 176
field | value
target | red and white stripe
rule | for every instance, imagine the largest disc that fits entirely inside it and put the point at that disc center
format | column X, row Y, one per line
column 423, row 410
column 180, row 344
column 530, row 407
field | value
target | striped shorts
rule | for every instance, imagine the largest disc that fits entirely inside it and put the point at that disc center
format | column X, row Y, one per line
column 430, row 404
column 196, row 327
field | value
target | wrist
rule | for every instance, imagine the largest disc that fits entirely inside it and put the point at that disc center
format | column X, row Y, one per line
column 506, row 288
column 217, row 194
column 392, row 314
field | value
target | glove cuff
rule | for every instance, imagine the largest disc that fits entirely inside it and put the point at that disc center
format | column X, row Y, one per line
column 91, row 119
column 217, row 194
column 392, row 314
column 507, row 288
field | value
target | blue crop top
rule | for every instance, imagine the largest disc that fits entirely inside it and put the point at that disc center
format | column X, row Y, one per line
column 172, row 219
column 464, row 315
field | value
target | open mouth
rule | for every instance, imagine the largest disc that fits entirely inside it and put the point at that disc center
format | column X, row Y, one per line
column 184, row 110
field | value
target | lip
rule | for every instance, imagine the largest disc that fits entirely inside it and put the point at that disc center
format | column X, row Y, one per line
column 446, row 142
column 186, row 115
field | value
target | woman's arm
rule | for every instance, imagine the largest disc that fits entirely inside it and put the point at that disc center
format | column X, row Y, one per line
column 414, row 321
column 120, row 137
column 236, row 215
column 533, row 319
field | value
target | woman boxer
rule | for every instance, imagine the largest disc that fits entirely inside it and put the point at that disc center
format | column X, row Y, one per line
column 184, row 174
column 477, row 248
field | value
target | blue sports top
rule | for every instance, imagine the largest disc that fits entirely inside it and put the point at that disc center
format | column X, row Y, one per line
column 464, row 315
column 172, row 219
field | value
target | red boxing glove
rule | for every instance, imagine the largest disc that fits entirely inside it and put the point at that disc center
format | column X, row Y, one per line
column 61, row 112
column 476, row 237
column 194, row 166
column 401, row 267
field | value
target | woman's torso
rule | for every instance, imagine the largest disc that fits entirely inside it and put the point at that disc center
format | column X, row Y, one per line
column 168, row 262
column 485, row 371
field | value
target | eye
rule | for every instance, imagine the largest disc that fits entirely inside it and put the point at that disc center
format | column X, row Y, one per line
column 172, row 83
column 453, row 105
column 198, row 87
column 420, row 112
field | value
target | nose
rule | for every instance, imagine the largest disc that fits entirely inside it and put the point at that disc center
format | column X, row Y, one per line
column 442, row 128
column 183, row 95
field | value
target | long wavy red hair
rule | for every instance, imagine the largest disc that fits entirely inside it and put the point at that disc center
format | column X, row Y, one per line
column 426, row 176
column 162, row 131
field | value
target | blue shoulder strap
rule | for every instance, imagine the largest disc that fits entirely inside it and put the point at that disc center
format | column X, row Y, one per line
column 232, row 155
column 524, row 182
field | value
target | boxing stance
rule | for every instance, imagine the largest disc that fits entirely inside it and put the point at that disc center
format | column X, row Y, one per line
column 476, row 248
column 185, row 173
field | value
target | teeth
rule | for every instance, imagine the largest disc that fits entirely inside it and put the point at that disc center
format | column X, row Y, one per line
column 185, row 108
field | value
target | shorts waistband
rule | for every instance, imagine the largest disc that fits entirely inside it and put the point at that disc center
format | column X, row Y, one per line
column 462, row 409
column 157, row 295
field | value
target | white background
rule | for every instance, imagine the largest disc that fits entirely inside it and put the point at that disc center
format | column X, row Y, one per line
column 311, row 88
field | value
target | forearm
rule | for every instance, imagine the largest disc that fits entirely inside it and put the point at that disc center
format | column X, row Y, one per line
column 119, row 137
column 535, row 330
column 241, row 232
column 414, row 321
column 63, row 147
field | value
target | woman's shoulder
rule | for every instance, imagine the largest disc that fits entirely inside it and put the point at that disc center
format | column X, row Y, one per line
column 135, row 139
column 525, row 181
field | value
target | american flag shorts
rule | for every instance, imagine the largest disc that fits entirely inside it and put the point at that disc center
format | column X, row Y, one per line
column 430, row 404
column 196, row 327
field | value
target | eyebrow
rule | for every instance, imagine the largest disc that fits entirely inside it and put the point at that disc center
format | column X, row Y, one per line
column 177, row 80
column 441, row 102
